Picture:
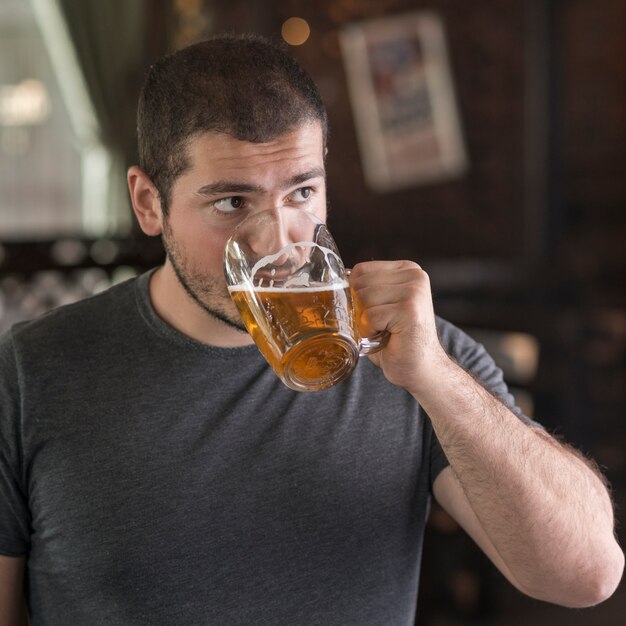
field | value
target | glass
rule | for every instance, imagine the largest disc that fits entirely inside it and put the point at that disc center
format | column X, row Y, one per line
column 291, row 288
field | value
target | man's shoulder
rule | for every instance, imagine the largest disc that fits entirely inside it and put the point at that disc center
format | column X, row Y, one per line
column 76, row 320
column 457, row 343
column 450, row 335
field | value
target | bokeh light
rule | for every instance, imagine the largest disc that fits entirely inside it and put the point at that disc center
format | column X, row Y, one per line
column 295, row 31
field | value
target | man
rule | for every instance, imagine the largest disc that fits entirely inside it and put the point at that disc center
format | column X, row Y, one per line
column 155, row 471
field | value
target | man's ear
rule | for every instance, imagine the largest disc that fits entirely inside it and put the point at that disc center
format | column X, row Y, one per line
column 146, row 201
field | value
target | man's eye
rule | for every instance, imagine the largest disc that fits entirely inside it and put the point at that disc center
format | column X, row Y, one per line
column 229, row 205
column 302, row 194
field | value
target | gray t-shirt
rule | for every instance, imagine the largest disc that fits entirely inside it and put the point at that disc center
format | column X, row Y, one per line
column 153, row 480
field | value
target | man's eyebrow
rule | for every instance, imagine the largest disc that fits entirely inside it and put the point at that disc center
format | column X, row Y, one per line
column 227, row 186
column 316, row 172
column 231, row 186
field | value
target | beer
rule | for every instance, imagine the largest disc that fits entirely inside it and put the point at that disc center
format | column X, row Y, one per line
column 306, row 334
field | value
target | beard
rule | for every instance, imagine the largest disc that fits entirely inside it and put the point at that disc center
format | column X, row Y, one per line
column 209, row 293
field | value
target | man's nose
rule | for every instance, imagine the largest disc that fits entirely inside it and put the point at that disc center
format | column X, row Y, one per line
column 270, row 232
column 275, row 229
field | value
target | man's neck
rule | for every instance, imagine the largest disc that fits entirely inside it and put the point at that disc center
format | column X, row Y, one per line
column 178, row 309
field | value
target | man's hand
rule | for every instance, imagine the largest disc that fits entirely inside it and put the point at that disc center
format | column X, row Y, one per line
column 396, row 296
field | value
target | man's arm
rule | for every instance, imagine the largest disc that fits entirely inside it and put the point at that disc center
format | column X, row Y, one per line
column 12, row 611
column 538, row 511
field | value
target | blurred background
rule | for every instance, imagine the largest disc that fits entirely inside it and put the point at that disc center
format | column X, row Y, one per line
column 485, row 140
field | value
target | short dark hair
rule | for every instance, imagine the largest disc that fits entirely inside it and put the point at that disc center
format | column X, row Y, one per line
column 242, row 85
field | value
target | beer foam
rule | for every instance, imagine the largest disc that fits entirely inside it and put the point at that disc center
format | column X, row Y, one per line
column 291, row 290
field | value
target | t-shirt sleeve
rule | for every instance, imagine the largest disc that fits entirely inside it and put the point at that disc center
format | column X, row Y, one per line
column 438, row 459
column 473, row 358
column 14, row 515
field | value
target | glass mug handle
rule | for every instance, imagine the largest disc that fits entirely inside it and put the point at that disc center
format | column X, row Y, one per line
column 375, row 343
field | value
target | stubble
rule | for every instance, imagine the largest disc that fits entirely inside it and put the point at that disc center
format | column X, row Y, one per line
column 208, row 292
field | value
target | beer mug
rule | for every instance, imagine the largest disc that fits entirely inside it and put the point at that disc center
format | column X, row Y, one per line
column 286, row 277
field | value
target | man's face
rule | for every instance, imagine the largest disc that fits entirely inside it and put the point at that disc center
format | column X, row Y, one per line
column 228, row 180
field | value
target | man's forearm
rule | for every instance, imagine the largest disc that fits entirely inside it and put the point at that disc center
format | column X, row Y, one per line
column 544, row 509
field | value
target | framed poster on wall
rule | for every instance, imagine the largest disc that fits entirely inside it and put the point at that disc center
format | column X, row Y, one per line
column 403, row 101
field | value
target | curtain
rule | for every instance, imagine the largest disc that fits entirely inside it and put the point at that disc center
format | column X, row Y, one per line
column 112, row 42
